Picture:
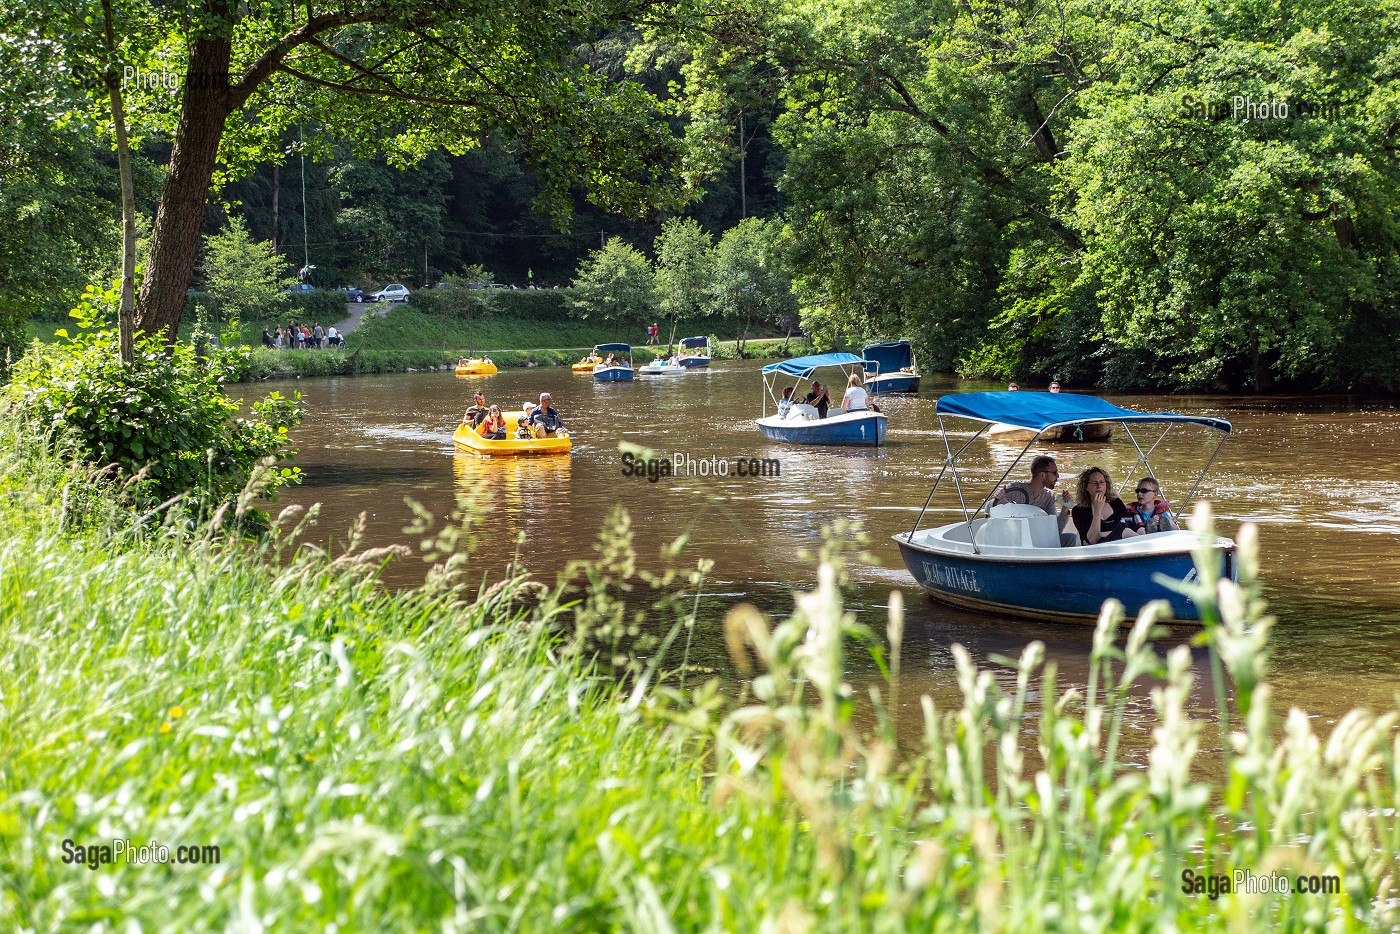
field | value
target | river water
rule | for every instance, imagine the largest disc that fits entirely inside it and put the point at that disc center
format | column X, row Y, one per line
column 1310, row 471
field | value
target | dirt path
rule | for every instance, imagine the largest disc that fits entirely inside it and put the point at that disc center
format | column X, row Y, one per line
column 355, row 311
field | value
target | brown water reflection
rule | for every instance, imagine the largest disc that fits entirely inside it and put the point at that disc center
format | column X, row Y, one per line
column 1311, row 472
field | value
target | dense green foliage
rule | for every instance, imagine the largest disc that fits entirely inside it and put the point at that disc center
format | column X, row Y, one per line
column 162, row 426
column 246, row 276
column 439, row 758
column 1090, row 190
column 615, row 283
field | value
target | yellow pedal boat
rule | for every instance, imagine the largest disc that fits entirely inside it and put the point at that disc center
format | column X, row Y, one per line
column 583, row 366
column 467, row 437
column 476, row 367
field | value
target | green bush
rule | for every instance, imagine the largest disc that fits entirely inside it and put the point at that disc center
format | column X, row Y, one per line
column 165, row 419
column 325, row 306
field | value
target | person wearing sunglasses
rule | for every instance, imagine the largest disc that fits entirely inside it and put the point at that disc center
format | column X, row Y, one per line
column 1099, row 515
column 1153, row 512
column 1040, row 493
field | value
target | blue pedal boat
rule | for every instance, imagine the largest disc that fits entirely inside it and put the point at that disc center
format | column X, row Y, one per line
column 620, row 369
column 694, row 352
column 890, row 367
column 1010, row 561
column 864, row 428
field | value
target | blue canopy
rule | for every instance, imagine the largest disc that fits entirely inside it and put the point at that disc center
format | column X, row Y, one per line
column 803, row 366
column 613, row 348
column 891, row 356
column 1041, row 410
column 695, row 342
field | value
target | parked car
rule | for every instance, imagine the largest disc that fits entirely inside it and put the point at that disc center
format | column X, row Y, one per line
column 391, row 293
column 352, row 294
column 487, row 285
column 300, row 288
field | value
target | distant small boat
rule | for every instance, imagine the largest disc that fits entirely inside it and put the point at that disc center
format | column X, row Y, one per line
column 865, row 428
column 477, row 366
column 620, row 370
column 890, row 367
column 584, row 366
column 661, row 368
column 694, row 353
column 466, row 436
column 1060, row 434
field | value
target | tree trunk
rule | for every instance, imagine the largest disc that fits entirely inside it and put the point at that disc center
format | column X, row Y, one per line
column 180, row 217
column 126, row 311
column 743, row 171
column 276, row 193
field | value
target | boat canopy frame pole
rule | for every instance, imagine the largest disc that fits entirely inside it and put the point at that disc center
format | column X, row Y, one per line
column 1197, row 485
column 951, row 460
column 1013, row 466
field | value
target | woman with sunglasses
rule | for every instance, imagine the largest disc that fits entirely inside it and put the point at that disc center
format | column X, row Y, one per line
column 1100, row 515
column 1153, row 512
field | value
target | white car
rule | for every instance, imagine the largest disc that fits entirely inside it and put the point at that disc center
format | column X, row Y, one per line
column 391, row 293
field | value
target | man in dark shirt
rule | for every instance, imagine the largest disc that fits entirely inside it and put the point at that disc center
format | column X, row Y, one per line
column 476, row 412
column 819, row 398
column 546, row 416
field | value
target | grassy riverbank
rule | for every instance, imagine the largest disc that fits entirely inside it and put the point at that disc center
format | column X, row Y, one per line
column 406, row 340
column 436, row 759
column 297, row 364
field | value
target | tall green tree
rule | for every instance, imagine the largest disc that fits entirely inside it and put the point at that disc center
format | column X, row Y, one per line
column 616, row 283
column 403, row 77
column 244, row 274
column 684, row 269
column 750, row 280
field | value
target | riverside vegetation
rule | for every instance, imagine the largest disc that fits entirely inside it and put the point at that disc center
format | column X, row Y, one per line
column 539, row 755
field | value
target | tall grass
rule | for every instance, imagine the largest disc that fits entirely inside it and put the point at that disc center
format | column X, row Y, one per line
column 528, row 759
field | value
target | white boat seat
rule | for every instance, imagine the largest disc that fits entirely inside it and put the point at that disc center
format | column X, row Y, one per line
column 1017, row 525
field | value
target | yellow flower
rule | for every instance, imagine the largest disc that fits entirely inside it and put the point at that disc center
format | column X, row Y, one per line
column 165, row 727
column 176, row 712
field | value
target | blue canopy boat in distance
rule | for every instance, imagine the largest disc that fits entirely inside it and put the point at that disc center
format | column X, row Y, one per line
column 802, row 425
column 621, row 367
column 695, row 352
column 890, row 367
column 1011, row 561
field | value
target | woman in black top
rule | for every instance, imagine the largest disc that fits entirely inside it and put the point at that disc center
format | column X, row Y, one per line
column 1100, row 515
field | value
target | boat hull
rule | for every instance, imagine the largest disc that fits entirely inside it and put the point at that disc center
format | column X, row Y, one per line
column 612, row 374
column 1093, row 433
column 1060, row 585
column 467, row 438
column 660, row 370
column 856, row 429
column 477, row 368
column 893, row 382
column 583, row 367
column 694, row 363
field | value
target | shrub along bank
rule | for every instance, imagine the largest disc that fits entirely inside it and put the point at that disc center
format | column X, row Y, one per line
column 433, row 759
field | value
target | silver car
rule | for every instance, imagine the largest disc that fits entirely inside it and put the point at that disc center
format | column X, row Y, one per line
column 391, row 293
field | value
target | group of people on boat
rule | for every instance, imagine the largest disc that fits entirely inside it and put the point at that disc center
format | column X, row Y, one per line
column 1095, row 510
column 463, row 361
column 538, row 421
column 856, row 398
column 1054, row 386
